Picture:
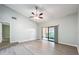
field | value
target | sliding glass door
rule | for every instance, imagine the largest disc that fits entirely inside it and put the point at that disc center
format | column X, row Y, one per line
column 51, row 34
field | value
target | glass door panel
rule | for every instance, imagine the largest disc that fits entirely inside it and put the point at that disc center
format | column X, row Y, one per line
column 51, row 34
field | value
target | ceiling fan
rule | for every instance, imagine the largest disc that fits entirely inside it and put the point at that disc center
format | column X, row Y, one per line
column 36, row 14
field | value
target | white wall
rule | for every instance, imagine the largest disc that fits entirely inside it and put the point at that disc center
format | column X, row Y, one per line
column 67, row 30
column 78, row 30
column 0, row 32
column 21, row 29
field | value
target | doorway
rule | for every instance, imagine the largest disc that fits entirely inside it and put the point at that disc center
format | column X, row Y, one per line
column 5, row 33
column 51, row 33
column 45, row 33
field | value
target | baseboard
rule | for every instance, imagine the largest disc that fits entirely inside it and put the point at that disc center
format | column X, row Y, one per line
column 68, row 44
column 14, row 43
column 27, row 40
column 23, row 41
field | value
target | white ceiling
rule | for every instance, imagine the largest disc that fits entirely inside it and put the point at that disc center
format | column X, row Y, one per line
column 52, row 10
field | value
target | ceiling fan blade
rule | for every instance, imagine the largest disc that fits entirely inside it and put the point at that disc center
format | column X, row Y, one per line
column 33, row 13
column 41, row 14
column 41, row 17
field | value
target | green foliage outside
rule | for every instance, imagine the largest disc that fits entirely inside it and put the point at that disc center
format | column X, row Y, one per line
column 51, row 35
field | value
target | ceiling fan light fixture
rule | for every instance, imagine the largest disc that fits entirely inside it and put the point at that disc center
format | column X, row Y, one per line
column 37, row 14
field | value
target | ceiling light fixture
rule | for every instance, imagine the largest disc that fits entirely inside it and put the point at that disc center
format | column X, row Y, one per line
column 37, row 14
